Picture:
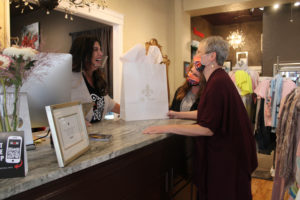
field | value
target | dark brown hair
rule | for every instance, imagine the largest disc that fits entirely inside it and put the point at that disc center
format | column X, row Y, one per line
column 186, row 87
column 82, row 50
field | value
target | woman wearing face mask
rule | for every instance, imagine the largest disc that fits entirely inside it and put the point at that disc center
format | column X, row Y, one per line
column 187, row 96
column 88, row 84
column 226, row 150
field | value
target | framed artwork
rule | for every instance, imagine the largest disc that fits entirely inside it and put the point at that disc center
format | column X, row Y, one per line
column 186, row 68
column 242, row 57
column 30, row 36
column 227, row 66
column 68, row 131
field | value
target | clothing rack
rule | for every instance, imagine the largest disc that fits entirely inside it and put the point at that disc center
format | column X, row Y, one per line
column 286, row 66
column 289, row 69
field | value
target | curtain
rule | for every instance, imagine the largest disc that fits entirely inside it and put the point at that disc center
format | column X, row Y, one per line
column 104, row 35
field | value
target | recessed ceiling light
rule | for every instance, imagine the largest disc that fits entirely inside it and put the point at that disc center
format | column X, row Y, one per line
column 297, row 3
column 276, row 6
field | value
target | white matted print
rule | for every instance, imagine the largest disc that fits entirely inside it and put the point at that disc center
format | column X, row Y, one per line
column 68, row 131
column 69, row 125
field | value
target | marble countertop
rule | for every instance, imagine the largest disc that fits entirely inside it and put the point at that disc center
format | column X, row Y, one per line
column 42, row 162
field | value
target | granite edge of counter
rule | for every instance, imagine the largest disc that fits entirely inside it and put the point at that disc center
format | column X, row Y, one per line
column 9, row 191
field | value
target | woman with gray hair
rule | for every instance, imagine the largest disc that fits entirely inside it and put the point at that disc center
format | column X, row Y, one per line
column 227, row 156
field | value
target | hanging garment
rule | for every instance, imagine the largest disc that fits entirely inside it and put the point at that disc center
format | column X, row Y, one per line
column 287, row 140
column 263, row 90
column 258, row 103
column 293, row 191
column 249, row 104
column 276, row 90
column 265, row 139
column 255, row 78
column 244, row 82
column 298, row 154
column 262, row 87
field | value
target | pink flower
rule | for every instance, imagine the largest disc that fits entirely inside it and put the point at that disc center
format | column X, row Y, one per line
column 5, row 62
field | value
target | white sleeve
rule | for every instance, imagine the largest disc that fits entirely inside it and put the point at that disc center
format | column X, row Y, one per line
column 109, row 104
column 79, row 92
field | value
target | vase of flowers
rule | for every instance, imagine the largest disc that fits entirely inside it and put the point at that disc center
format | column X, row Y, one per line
column 15, row 65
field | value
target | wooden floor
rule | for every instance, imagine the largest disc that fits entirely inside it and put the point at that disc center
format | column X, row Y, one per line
column 261, row 190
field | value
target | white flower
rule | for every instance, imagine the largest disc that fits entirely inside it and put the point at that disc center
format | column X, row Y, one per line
column 5, row 62
column 26, row 52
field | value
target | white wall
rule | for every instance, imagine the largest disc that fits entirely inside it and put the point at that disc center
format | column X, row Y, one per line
column 143, row 20
column 181, row 45
column 164, row 20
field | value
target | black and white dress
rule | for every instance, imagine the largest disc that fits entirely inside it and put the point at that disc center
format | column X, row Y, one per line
column 98, row 100
column 84, row 93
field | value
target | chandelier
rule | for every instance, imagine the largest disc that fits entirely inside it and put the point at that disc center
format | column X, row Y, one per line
column 236, row 39
column 87, row 3
column 22, row 4
column 81, row 4
column 49, row 5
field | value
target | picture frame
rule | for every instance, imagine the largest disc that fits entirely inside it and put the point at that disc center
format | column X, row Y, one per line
column 68, row 130
column 227, row 66
column 242, row 57
column 30, row 36
column 186, row 68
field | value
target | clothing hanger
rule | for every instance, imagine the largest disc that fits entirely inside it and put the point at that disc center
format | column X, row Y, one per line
column 241, row 65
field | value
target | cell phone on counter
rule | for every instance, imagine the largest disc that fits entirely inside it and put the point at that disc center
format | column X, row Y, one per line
column 13, row 149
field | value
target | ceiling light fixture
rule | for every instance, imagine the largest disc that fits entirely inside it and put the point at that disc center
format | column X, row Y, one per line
column 291, row 18
column 22, row 4
column 48, row 5
column 236, row 39
column 276, row 6
column 297, row 3
column 261, row 8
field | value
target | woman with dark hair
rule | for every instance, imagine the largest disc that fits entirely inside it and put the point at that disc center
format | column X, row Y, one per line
column 88, row 84
column 187, row 96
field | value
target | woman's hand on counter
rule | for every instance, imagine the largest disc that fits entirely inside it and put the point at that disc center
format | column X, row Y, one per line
column 87, row 123
column 180, row 129
column 172, row 114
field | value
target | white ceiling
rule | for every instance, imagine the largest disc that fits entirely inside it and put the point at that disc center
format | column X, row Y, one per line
column 229, row 7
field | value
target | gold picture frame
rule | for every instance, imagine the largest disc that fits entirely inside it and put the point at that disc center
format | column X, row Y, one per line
column 68, row 131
